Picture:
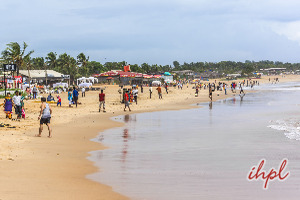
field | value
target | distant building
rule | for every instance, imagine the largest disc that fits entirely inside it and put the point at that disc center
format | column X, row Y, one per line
column 185, row 72
column 273, row 71
column 39, row 76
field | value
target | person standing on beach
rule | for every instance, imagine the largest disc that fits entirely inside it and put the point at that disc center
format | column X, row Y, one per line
column 102, row 101
column 45, row 116
column 17, row 103
column 159, row 92
column 8, row 104
column 210, row 93
column 75, row 95
column 34, row 91
column 135, row 94
column 126, row 99
column 70, row 97
column 83, row 92
column 150, row 90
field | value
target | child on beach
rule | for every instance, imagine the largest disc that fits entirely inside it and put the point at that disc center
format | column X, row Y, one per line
column 23, row 108
column 8, row 104
column 58, row 100
column 70, row 96
column 102, row 101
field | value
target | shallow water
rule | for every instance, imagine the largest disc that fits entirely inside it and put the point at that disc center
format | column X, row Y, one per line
column 206, row 153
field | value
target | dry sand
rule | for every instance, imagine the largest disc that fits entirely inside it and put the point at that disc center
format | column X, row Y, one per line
column 42, row 168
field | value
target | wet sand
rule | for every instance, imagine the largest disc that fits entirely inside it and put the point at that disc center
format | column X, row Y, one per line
column 35, row 168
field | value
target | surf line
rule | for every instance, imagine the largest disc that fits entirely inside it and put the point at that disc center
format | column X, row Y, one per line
column 256, row 173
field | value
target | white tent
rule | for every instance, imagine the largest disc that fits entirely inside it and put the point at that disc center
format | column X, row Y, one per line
column 90, row 80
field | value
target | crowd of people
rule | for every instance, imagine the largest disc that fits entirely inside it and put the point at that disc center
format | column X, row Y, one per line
column 130, row 96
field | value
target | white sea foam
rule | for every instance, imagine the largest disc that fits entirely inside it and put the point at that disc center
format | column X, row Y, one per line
column 291, row 128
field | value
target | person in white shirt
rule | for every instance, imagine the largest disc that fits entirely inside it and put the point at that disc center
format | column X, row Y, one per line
column 17, row 102
column 135, row 94
column 83, row 92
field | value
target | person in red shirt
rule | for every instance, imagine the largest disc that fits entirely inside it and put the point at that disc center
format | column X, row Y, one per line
column 102, row 101
column 126, row 99
column 58, row 101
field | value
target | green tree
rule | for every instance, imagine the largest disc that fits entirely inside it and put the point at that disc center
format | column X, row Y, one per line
column 82, row 61
column 51, row 60
column 67, row 65
column 15, row 54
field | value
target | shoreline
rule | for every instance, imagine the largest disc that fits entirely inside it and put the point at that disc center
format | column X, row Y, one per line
column 60, row 164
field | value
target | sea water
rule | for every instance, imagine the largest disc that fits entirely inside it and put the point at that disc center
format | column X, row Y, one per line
column 207, row 152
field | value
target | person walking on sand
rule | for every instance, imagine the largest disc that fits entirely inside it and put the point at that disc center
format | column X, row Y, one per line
column 126, row 99
column 150, row 90
column 58, row 100
column 166, row 87
column 102, row 101
column 75, row 95
column 45, row 116
column 210, row 93
column 159, row 92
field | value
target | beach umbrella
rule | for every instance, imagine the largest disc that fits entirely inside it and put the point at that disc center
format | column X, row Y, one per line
column 167, row 74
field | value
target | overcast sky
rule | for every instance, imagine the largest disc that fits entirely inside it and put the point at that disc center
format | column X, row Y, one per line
column 156, row 31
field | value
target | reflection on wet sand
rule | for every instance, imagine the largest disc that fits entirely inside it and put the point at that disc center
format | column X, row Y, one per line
column 125, row 145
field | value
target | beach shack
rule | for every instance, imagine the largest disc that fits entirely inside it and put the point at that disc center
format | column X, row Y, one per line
column 43, row 76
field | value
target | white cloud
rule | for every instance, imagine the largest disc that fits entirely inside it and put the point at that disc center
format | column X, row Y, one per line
column 156, row 31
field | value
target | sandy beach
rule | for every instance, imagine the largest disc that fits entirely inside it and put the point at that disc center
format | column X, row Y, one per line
column 55, row 168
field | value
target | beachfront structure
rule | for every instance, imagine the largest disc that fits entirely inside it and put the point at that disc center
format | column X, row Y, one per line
column 208, row 75
column 86, row 82
column 126, row 78
column 273, row 71
column 39, row 76
column 185, row 73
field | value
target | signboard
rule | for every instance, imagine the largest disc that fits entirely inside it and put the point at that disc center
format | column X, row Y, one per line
column 9, row 67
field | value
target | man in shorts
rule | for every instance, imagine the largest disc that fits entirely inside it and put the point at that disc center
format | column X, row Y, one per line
column 102, row 101
column 159, row 92
column 45, row 116
column 126, row 100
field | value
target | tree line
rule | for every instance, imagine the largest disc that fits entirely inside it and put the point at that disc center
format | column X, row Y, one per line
column 82, row 66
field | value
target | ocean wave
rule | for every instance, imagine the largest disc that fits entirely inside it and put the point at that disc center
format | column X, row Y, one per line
column 291, row 128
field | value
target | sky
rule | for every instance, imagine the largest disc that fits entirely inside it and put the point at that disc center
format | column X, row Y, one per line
column 156, row 31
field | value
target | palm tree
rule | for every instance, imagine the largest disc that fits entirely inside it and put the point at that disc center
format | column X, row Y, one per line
column 51, row 60
column 27, row 63
column 67, row 65
column 14, row 54
column 82, row 61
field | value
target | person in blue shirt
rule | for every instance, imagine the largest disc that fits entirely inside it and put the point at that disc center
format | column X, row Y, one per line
column 75, row 95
